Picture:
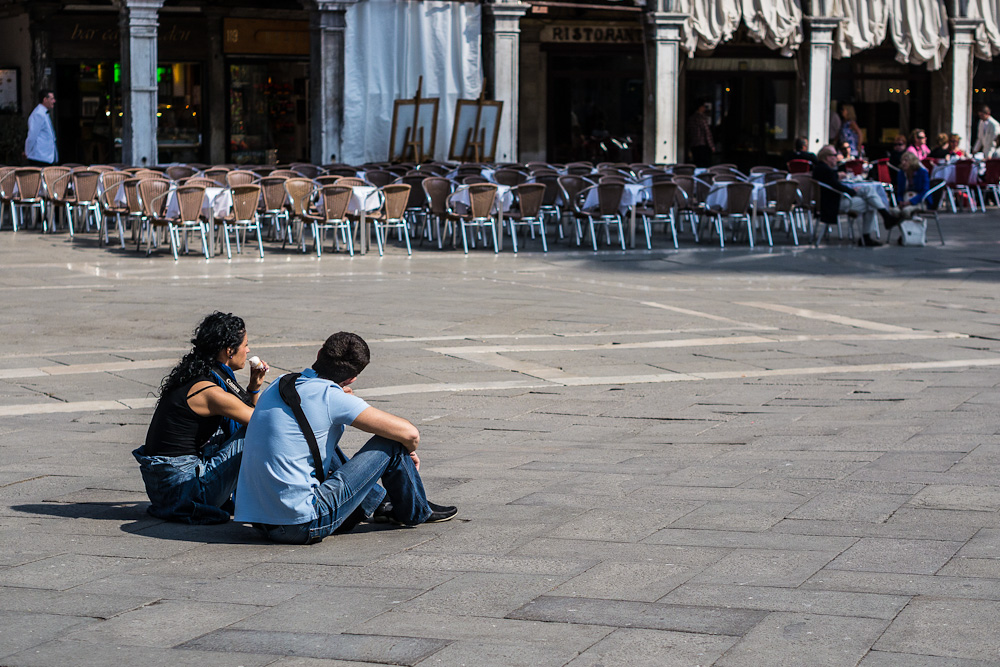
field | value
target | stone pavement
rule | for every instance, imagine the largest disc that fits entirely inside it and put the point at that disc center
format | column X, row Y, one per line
column 690, row 457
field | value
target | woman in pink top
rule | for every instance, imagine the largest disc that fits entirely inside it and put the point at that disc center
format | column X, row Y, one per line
column 918, row 144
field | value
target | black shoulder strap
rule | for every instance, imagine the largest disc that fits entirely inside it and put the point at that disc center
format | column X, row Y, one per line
column 288, row 393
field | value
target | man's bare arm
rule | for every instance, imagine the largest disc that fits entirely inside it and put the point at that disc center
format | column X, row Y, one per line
column 378, row 422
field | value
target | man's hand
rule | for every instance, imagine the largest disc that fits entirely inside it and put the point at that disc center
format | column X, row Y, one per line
column 416, row 460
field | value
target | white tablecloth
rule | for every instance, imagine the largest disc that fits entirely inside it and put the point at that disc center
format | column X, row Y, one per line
column 718, row 196
column 947, row 172
column 363, row 198
column 217, row 203
column 631, row 196
column 504, row 196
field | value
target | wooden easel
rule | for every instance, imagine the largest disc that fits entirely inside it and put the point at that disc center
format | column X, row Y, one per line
column 480, row 129
column 415, row 146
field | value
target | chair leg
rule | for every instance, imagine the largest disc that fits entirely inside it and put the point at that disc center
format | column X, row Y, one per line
column 465, row 242
column 513, row 234
column 493, row 229
column 593, row 236
column 541, row 231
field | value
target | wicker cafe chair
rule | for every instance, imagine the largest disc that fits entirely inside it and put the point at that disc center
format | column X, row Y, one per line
column 528, row 212
column 607, row 211
column 240, row 177
column 153, row 194
column 199, row 180
column 217, row 174
column 551, row 201
column 392, row 214
column 437, row 190
column 180, row 172
column 286, row 173
column 56, row 181
column 509, row 176
column 783, row 201
column 351, row 181
column 380, row 177
column 478, row 213
column 243, row 219
column 136, row 214
column 305, row 169
column 300, row 193
column 7, row 194
column 272, row 196
column 332, row 217
column 29, row 194
column 737, row 207
column 112, row 204
column 660, row 208
column 85, row 185
column 571, row 186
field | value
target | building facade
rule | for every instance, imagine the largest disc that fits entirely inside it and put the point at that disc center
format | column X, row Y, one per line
column 256, row 81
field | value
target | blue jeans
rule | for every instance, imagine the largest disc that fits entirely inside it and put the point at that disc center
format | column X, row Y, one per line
column 355, row 485
column 192, row 489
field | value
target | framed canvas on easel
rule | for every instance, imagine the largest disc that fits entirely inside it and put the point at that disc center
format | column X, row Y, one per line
column 414, row 128
column 477, row 127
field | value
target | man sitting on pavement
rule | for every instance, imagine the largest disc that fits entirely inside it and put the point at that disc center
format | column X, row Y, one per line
column 287, row 496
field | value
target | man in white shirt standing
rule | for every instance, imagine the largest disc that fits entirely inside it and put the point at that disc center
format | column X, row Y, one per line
column 986, row 136
column 40, row 146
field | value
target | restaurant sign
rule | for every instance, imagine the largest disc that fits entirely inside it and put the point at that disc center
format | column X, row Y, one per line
column 592, row 33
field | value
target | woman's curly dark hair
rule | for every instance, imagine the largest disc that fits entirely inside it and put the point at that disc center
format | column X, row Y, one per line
column 217, row 332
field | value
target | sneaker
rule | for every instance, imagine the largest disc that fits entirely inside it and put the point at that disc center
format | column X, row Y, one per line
column 441, row 513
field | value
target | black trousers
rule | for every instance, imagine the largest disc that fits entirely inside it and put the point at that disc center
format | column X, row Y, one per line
column 701, row 156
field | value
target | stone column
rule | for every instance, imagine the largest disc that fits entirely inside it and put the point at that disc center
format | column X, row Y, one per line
column 139, row 88
column 504, row 75
column 962, row 44
column 327, row 25
column 661, row 143
column 820, row 61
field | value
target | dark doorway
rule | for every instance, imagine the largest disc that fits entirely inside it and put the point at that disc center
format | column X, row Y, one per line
column 752, row 116
column 595, row 103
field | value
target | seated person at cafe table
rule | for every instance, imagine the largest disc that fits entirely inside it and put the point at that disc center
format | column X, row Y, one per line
column 912, row 182
column 191, row 458
column 863, row 202
column 296, row 486
column 940, row 150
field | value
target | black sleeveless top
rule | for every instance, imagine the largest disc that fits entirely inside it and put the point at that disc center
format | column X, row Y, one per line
column 175, row 429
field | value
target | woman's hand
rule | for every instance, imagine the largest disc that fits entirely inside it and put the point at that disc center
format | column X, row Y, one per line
column 257, row 374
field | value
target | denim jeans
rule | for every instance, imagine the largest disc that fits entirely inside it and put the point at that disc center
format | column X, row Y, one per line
column 192, row 489
column 355, row 484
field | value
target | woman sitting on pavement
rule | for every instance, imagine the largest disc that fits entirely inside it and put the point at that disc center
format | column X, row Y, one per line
column 191, row 458
column 913, row 181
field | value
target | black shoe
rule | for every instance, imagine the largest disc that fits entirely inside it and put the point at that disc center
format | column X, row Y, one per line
column 867, row 241
column 890, row 220
column 382, row 514
column 351, row 521
column 441, row 513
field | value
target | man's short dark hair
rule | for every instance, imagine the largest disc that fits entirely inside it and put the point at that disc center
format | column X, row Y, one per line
column 343, row 356
column 43, row 93
column 801, row 143
column 984, row 109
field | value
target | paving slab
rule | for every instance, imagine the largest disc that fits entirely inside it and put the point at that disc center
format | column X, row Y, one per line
column 791, row 638
column 734, row 429
column 947, row 627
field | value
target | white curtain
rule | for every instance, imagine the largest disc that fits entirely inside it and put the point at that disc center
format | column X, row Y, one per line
column 988, row 34
column 389, row 45
column 864, row 27
column 709, row 23
column 776, row 23
column 919, row 29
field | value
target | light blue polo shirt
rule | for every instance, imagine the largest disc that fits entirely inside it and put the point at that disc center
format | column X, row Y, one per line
column 276, row 474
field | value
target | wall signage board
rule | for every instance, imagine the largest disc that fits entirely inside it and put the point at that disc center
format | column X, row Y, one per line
column 265, row 37
column 591, row 33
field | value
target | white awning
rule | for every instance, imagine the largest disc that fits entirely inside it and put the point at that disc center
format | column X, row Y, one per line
column 918, row 28
column 987, row 34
